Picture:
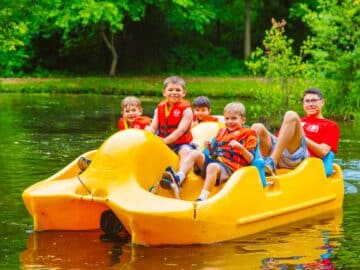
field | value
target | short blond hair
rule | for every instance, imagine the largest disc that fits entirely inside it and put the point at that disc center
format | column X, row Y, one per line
column 235, row 108
column 175, row 80
column 130, row 101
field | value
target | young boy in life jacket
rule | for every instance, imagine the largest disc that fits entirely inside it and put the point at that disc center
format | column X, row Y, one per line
column 232, row 148
column 172, row 119
column 202, row 110
column 131, row 111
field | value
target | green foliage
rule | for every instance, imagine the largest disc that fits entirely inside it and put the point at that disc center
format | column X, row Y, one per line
column 277, row 61
column 15, row 36
column 334, row 48
column 206, row 60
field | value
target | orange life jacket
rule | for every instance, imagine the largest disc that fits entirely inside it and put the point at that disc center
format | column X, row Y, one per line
column 169, row 123
column 207, row 118
column 232, row 157
column 140, row 123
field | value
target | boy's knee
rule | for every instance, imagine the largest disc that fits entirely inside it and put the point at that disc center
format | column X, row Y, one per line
column 258, row 127
column 212, row 168
column 195, row 154
column 291, row 116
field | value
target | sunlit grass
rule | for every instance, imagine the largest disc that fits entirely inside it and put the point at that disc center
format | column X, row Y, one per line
column 147, row 85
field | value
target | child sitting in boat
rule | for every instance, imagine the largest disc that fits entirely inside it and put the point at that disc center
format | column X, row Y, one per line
column 173, row 118
column 232, row 148
column 131, row 111
column 202, row 110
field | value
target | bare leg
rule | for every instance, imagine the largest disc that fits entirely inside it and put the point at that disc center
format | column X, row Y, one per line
column 290, row 135
column 183, row 153
column 193, row 157
column 265, row 139
column 212, row 172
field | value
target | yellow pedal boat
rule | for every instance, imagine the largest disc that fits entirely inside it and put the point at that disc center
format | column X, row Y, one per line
column 131, row 161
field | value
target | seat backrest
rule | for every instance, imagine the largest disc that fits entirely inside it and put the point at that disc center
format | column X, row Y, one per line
column 259, row 163
column 328, row 163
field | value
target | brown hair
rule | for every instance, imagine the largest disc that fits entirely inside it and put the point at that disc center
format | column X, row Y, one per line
column 130, row 101
column 236, row 108
column 176, row 80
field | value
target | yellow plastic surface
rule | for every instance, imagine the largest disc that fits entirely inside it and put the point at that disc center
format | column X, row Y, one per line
column 131, row 161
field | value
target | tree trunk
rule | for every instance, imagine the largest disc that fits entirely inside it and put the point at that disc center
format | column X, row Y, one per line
column 111, row 46
column 218, row 33
column 247, row 40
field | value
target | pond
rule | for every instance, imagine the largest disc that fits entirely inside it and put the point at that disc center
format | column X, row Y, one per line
column 40, row 134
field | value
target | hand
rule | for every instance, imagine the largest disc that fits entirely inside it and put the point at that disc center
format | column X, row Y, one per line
column 234, row 144
column 207, row 145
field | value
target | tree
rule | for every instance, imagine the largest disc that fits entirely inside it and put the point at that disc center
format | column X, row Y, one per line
column 247, row 40
column 334, row 47
column 107, row 18
column 19, row 22
column 277, row 60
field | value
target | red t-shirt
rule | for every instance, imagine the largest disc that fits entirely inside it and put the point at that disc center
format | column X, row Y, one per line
column 321, row 130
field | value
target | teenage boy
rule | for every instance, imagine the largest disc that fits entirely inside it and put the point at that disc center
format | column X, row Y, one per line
column 298, row 138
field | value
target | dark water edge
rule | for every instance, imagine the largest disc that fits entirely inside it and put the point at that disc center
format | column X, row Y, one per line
column 42, row 133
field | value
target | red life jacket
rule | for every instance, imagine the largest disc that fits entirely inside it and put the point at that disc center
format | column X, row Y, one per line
column 140, row 123
column 207, row 118
column 232, row 157
column 169, row 124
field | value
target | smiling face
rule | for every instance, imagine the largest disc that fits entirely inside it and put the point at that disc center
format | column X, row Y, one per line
column 233, row 121
column 200, row 112
column 174, row 93
column 312, row 105
column 131, row 112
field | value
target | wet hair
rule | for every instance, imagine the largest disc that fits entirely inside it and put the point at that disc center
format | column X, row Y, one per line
column 175, row 80
column 312, row 91
column 202, row 101
column 236, row 108
column 130, row 101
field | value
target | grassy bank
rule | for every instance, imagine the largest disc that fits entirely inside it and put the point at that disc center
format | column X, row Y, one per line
column 149, row 86
column 265, row 99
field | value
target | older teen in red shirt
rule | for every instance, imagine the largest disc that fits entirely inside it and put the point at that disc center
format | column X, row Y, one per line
column 299, row 138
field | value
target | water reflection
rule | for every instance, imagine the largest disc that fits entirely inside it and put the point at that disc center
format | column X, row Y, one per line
column 300, row 245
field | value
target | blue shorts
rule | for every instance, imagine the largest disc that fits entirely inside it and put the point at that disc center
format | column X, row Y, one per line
column 177, row 147
column 291, row 160
column 208, row 160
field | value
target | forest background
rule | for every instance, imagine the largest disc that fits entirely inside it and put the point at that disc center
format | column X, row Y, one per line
column 278, row 47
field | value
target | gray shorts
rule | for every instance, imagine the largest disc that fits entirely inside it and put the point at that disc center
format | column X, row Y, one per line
column 225, row 171
column 291, row 160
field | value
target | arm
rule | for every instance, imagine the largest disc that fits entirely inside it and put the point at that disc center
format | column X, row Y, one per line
column 154, row 123
column 319, row 149
column 184, row 125
column 248, row 156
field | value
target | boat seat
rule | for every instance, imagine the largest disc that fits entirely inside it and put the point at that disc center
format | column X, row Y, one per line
column 259, row 163
column 328, row 160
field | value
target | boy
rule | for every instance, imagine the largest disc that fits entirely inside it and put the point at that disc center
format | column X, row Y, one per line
column 131, row 114
column 234, row 147
column 202, row 110
column 131, row 111
column 299, row 138
column 173, row 117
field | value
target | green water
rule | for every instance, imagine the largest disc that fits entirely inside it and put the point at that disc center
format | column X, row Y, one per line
column 40, row 134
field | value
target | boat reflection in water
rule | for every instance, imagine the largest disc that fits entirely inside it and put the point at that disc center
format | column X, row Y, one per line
column 309, row 244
